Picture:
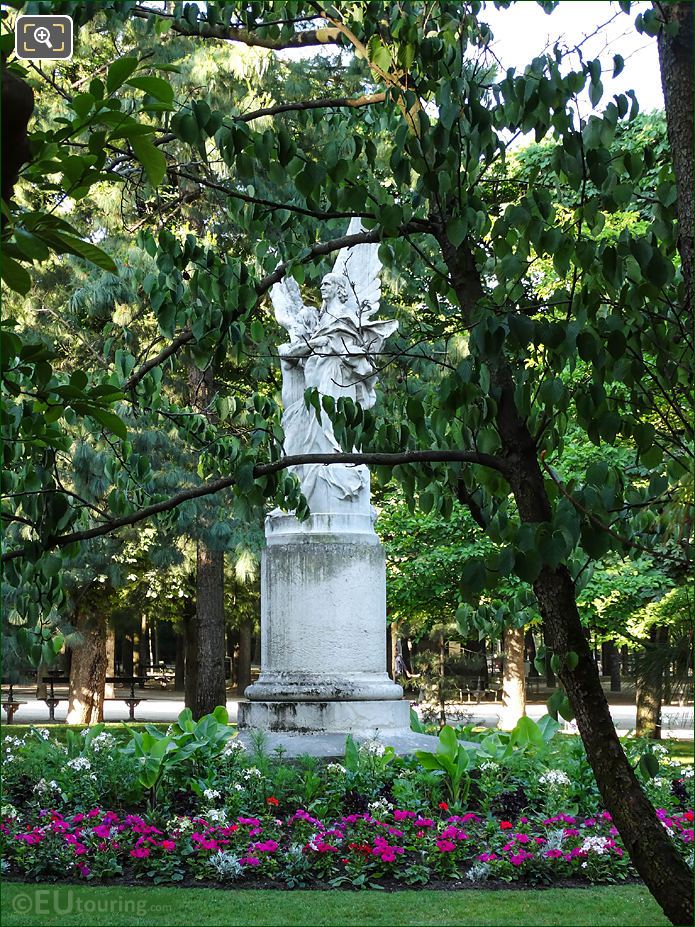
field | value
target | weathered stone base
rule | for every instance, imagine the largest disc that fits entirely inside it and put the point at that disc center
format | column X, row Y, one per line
column 359, row 717
column 332, row 746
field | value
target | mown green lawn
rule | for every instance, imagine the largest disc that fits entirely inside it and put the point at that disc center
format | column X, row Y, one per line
column 57, row 905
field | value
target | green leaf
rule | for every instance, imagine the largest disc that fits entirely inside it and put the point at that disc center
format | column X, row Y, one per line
column 155, row 86
column 88, row 251
column 14, row 275
column 571, row 660
column 649, row 765
column 151, row 158
column 448, row 741
column 111, row 422
column 456, row 230
column 119, row 72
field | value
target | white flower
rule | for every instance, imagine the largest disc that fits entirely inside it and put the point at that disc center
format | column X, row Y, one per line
column 80, row 762
column 688, row 772
column 489, row 766
column 233, row 746
column 216, row 816
column 211, row 794
column 554, row 778
column 253, row 772
column 335, row 768
column 9, row 757
column 373, row 748
column 657, row 782
column 659, row 749
column 380, row 807
column 238, row 787
column 43, row 733
column 599, row 845
column 8, row 811
column 103, row 741
column 42, row 787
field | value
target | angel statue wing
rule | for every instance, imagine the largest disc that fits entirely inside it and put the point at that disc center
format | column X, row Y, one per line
column 361, row 265
column 296, row 318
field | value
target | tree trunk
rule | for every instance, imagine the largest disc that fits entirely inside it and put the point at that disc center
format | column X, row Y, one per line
column 127, row 655
column 530, row 653
column 614, row 659
column 180, row 664
column 676, row 61
column 192, row 668
column 440, row 683
column 41, row 686
column 109, row 691
column 143, row 651
column 624, row 660
column 606, row 649
column 88, row 671
column 244, row 661
column 513, row 682
column 652, row 852
column 650, row 695
column 550, row 680
column 209, row 690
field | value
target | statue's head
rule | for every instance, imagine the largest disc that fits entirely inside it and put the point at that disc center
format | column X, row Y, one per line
column 335, row 286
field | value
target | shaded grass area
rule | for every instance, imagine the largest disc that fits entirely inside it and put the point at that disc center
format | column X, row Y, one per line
column 31, row 905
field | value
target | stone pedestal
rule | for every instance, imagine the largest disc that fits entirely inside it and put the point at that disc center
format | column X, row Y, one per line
column 323, row 631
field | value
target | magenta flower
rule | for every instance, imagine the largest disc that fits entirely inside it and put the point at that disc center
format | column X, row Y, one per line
column 140, row 852
column 446, row 846
column 250, row 861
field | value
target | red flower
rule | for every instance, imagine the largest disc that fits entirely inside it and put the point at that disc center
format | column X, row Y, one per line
column 443, row 805
column 506, row 825
column 272, row 801
column 688, row 816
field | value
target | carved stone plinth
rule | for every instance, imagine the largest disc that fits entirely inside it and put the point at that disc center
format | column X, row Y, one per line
column 323, row 631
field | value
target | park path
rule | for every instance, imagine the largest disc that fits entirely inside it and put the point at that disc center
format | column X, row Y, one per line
column 161, row 707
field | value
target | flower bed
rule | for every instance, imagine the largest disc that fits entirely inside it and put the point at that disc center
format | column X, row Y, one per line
column 356, row 849
column 98, row 806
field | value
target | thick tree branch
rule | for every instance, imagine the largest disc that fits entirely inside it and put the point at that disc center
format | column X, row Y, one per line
column 204, row 30
column 215, row 486
column 270, row 204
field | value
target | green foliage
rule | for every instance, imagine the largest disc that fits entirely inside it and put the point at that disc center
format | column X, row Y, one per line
column 452, row 760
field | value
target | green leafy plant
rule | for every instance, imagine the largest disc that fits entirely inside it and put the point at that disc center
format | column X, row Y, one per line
column 452, row 759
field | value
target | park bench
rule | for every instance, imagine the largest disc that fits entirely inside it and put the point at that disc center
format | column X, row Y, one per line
column 132, row 701
column 10, row 704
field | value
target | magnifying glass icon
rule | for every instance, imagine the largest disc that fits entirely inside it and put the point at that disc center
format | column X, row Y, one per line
column 43, row 35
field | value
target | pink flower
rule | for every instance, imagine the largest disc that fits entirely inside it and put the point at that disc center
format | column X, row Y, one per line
column 446, row 846
column 102, row 830
column 424, row 822
column 553, row 854
column 79, row 849
column 269, row 846
column 403, row 815
column 94, row 813
column 84, row 870
column 168, row 845
column 140, row 852
column 522, row 838
column 487, row 857
column 518, row 859
column 250, row 861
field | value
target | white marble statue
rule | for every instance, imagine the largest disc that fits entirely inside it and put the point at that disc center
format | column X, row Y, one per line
column 334, row 349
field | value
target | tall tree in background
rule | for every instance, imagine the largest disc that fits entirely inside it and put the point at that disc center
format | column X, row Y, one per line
column 675, row 37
